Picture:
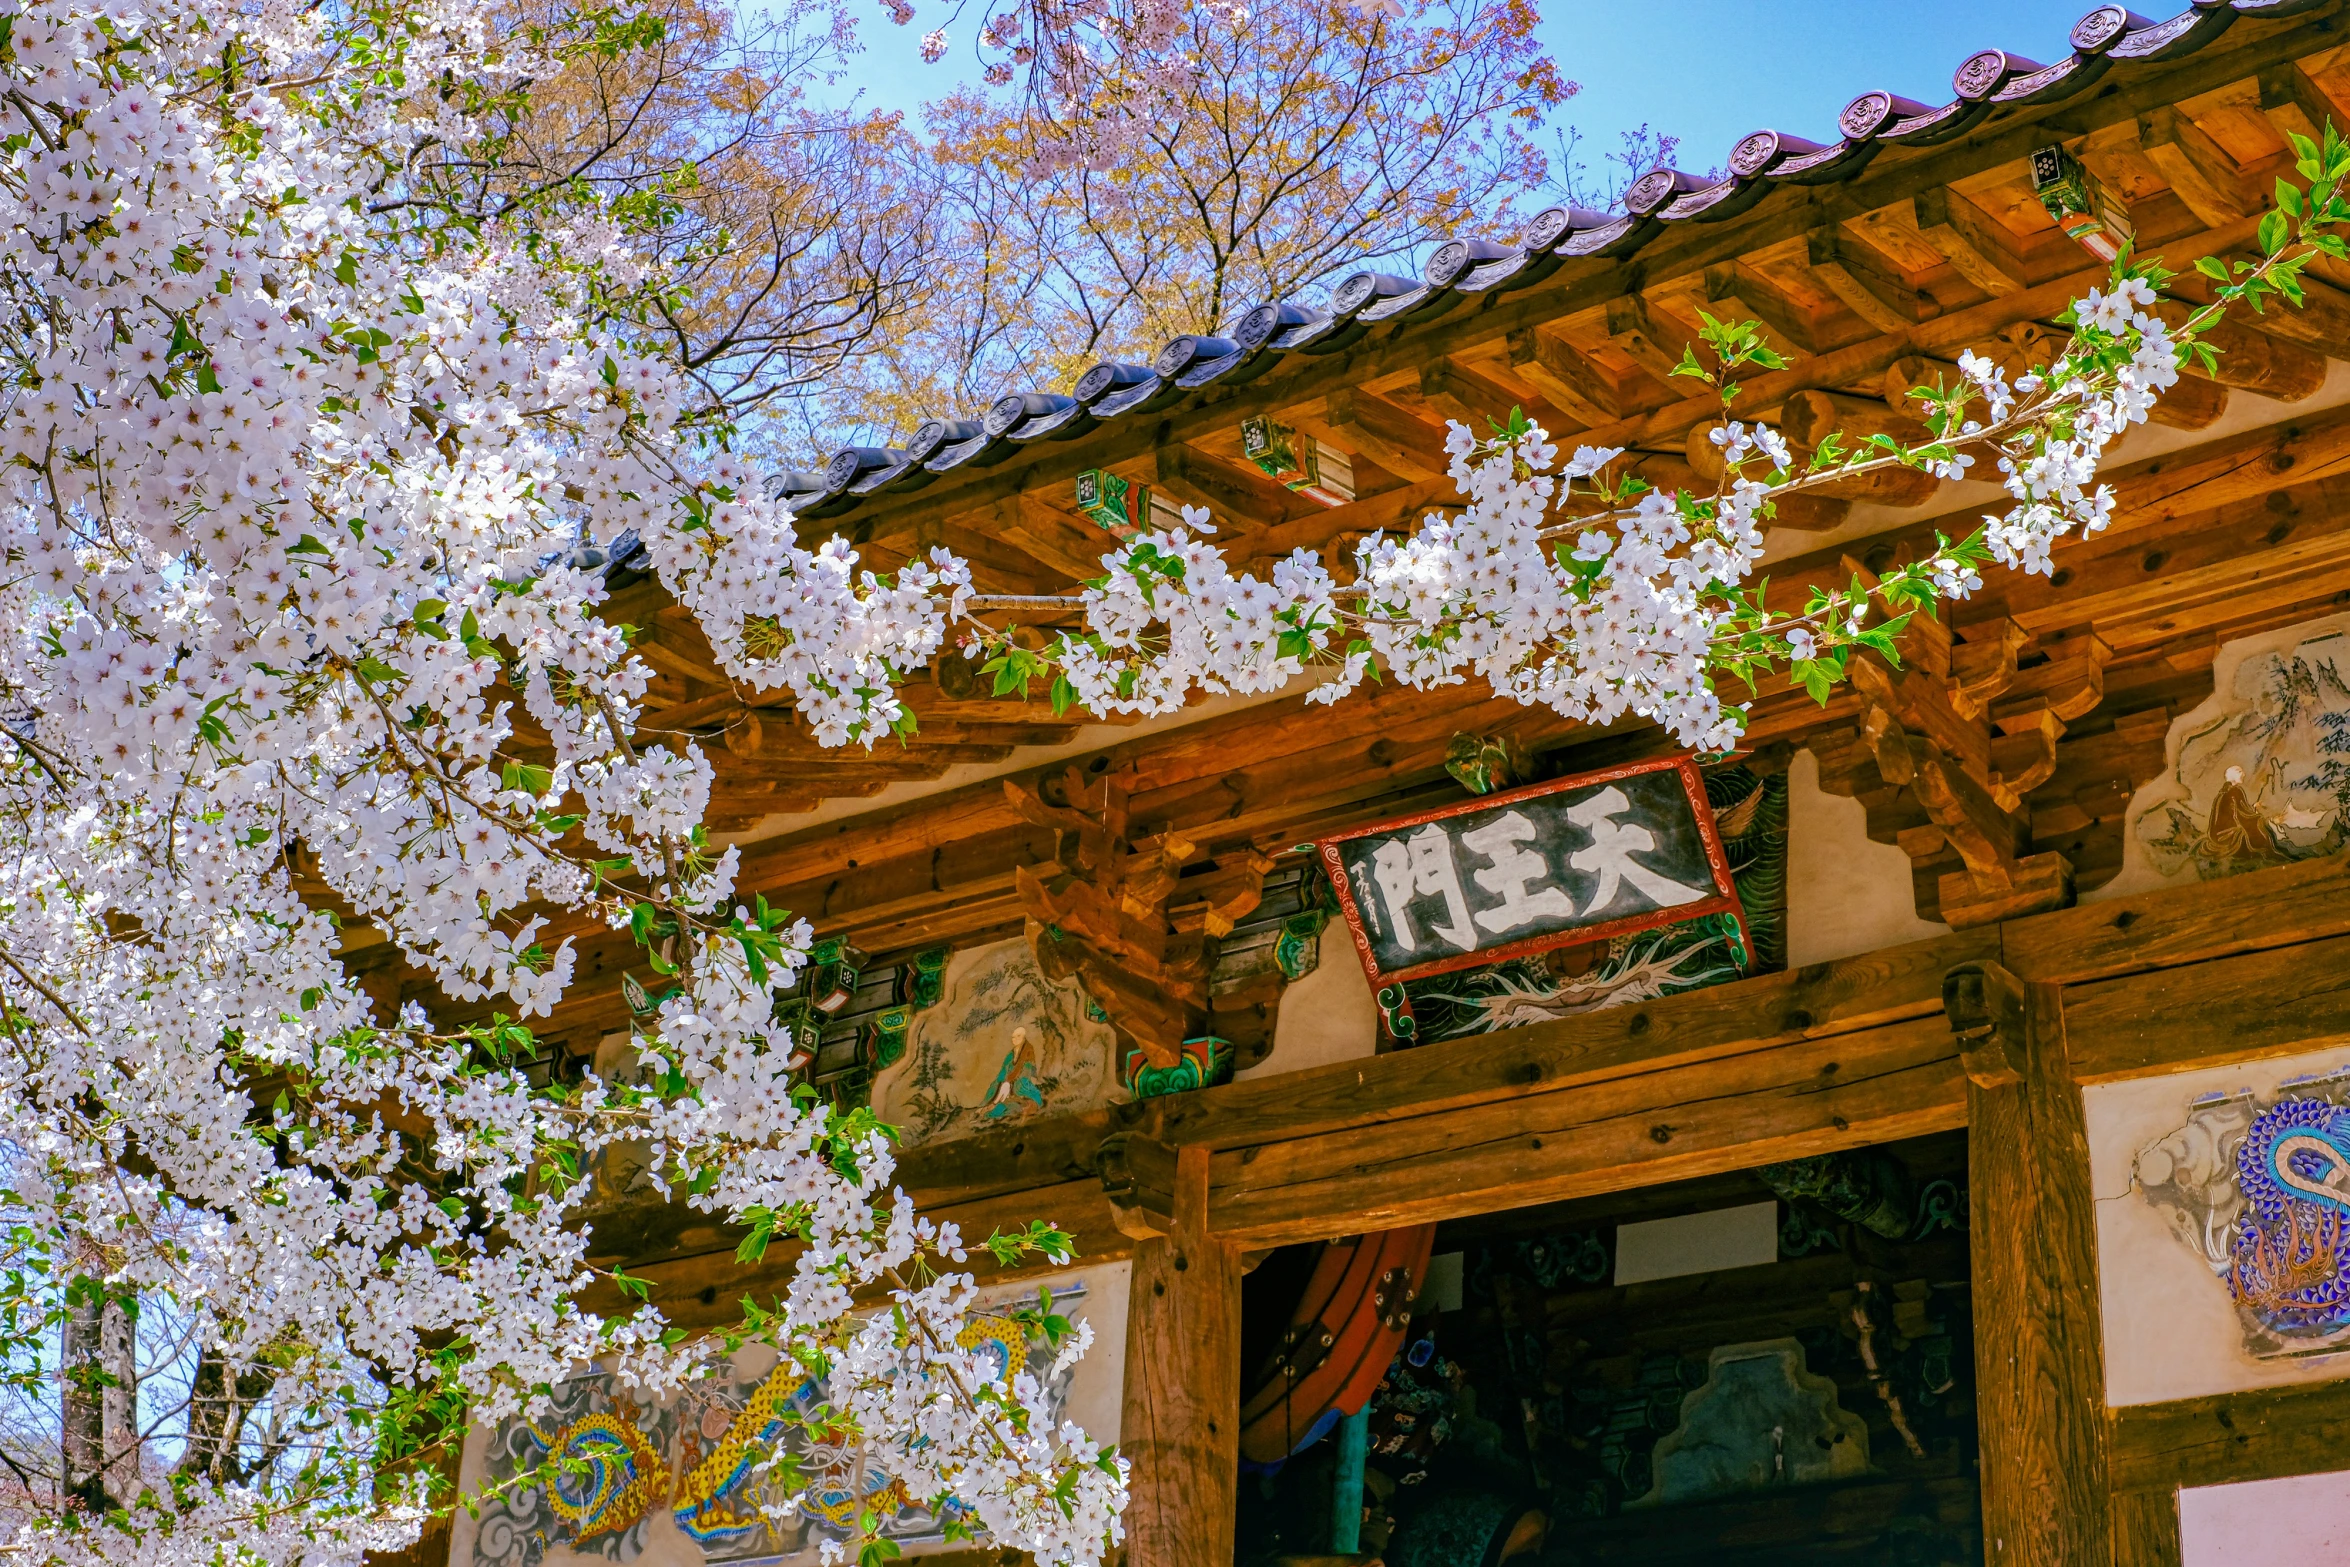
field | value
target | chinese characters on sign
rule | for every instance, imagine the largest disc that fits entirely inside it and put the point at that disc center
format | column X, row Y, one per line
column 1570, row 861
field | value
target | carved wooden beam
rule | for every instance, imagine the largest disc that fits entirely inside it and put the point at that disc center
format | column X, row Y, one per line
column 1138, row 1176
column 2200, row 171
column 1228, row 489
column 1394, row 437
column 1854, row 274
column 2253, row 359
column 1809, row 417
column 1974, row 245
column 2321, row 321
column 1927, row 733
column 1565, row 376
column 1807, row 513
column 1117, row 915
column 1654, row 340
column 1985, row 1005
column 1071, row 545
column 1467, row 392
column 2293, row 103
column 1740, row 291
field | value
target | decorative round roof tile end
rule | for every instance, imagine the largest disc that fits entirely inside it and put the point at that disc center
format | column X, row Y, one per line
column 1258, row 325
column 1005, row 412
column 1549, row 226
column 1095, row 382
column 1866, row 115
column 1754, row 153
column 1988, row 70
column 1356, row 292
column 1651, row 191
column 2100, row 28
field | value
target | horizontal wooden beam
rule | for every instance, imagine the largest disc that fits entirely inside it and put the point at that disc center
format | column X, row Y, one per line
column 705, row 1290
column 2257, row 1006
column 1815, row 1003
column 2196, row 923
column 2259, row 1434
column 1830, row 1056
column 1781, row 1102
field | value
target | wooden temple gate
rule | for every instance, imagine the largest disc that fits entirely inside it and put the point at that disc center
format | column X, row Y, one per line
column 1997, row 766
column 1994, row 1030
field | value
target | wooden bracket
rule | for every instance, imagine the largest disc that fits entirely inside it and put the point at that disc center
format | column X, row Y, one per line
column 1985, row 1005
column 1138, row 1176
column 1118, row 914
column 1959, row 733
column 1655, row 345
column 1976, row 247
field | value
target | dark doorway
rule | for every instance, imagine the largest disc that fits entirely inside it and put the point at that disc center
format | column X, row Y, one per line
column 1812, row 1401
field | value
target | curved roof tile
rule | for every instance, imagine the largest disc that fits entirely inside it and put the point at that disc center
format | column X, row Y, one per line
column 1987, row 82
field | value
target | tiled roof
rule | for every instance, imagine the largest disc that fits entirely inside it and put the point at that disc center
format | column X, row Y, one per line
column 1464, row 269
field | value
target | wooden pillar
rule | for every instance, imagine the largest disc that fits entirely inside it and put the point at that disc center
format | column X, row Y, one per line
column 2146, row 1528
column 2039, row 1359
column 1181, row 1425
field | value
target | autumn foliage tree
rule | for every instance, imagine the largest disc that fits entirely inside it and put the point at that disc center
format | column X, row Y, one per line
column 1301, row 140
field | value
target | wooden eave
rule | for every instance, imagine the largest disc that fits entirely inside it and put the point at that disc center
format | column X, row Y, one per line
column 2218, row 539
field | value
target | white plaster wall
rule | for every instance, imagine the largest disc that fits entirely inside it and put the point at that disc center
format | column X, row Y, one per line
column 2261, row 1523
column 1327, row 1016
column 2170, row 1329
column 1846, row 893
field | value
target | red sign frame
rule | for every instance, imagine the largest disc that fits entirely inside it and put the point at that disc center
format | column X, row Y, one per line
column 1724, row 900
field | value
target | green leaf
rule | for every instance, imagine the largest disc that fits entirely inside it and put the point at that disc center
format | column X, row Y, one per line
column 523, row 775
column 754, row 1243
column 2273, row 230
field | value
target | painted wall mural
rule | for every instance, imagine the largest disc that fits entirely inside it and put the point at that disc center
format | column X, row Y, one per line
column 2223, row 1227
column 677, row 1481
column 2261, row 1193
column 1003, row 1046
column 600, row 1513
column 2258, row 774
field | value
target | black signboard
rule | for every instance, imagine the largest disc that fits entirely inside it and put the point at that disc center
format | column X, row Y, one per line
column 1574, row 860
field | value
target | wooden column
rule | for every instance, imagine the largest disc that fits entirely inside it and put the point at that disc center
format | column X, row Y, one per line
column 2146, row 1528
column 1181, row 1426
column 2039, row 1361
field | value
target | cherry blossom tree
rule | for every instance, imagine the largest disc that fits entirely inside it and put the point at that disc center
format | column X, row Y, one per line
column 309, row 457
column 307, row 444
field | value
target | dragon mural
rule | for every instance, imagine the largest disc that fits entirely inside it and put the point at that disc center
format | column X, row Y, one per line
column 619, row 1476
column 2261, row 1193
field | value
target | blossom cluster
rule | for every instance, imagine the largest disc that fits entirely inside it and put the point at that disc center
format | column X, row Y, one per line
column 306, row 459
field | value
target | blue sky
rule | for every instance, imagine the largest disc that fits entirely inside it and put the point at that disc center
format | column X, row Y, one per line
column 1708, row 71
